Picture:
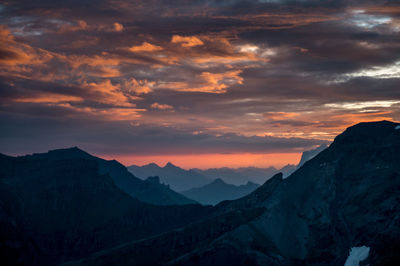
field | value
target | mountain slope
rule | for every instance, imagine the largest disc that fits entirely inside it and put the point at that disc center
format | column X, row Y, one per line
column 177, row 178
column 218, row 191
column 150, row 192
column 54, row 209
column 347, row 196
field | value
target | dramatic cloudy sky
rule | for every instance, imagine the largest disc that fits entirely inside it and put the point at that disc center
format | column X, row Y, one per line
column 198, row 83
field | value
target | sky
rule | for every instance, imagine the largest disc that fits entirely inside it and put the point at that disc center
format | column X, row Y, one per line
column 198, row 83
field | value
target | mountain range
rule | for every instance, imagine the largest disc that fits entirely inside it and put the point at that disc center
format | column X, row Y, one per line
column 343, row 201
column 217, row 191
column 181, row 180
column 177, row 178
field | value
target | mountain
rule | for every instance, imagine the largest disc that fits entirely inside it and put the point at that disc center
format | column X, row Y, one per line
column 308, row 155
column 345, row 197
column 181, row 180
column 150, row 192
column 177, row 178
column 343, row 202
column 218, row 191
column 239, row 176
column 65, row 205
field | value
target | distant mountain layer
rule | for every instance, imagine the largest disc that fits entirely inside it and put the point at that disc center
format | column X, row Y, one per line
column 344, row 200
column 177, row 178
column 181, row 180
column 218, row 191
column 240, row 176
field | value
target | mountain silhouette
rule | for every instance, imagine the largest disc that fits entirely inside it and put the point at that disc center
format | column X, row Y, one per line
column 344, row 199
column 149, row 192
column 177, row 178
column 64, row 205
column 182, row 180
column 218, row 191
column 242, row 175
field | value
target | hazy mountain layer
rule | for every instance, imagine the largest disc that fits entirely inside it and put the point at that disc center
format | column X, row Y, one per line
column 181, row 180
column 177, row 178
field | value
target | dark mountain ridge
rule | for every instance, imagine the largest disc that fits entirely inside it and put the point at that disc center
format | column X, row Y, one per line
column 60, row 206
column 149, row 192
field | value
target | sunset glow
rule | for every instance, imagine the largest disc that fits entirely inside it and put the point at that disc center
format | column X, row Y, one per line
column 198, row 83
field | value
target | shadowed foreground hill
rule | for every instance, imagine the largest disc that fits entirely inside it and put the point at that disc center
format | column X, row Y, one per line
column 144, row 190
column 347, row 196
column 56, row 207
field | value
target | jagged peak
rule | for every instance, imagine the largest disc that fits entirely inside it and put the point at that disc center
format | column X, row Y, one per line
column 170, row 165
column 152, row 165
column 218, row 181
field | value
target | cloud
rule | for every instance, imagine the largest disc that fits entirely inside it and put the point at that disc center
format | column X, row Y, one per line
column 77, row 26
column 161, row 106
column 108, row 93
column 118, row 27
column 145, row 47
column 138, row 86
column 14, row 53
column 239, row 73
column 186, row 41
column 207, row 82
column 49, row 98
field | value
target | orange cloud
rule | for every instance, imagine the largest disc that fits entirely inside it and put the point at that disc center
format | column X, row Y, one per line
column 49, row 98
column 279, row 115
column 138, row 86
column 113, row 113
column 161, row 106
column 145, row 47
column 108, row 93
column 118, row 27
column 186, row 41
column 207, row 82
column 14, row 53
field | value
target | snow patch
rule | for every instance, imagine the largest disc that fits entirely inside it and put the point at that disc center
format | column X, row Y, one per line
column 357, row 254
column 397, row 127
